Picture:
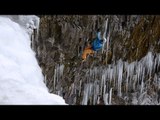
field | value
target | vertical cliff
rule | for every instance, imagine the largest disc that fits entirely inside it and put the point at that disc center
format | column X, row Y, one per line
column 116, row 76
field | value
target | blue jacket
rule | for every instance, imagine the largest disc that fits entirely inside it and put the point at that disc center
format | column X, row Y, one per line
column 97, row 43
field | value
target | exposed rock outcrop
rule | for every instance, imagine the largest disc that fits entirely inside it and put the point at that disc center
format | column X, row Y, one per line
column 61, row 41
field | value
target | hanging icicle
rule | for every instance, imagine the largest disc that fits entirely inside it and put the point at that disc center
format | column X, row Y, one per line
column 104, row 34
column 125, row 79
column 110, row 96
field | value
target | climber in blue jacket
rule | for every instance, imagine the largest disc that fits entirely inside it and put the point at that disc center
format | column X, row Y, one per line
column 97, row 42
column 95, row 46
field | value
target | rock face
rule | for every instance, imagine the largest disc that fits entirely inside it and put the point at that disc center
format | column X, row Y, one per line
column 62, row 40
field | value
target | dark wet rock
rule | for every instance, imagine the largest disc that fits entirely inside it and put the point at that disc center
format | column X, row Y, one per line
column 61, row 42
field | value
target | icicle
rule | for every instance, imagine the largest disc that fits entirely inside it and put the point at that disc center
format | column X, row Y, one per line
column 102, row 81
column 54, row 80
column 97, row 91
column 104, row 34
column 139, row 72
column 110, row 76
column 85, row 95
column 158, row 83
column 146, row 100
column 114, row 76
column 80, row 84
column 104, row 90
column 155, row 64
column 126, row 85
column 134, row 99
column 45, row 79
column 140, row 98
column 127, row 75
column 110, row 96
column 90, row 89
column 148, row 63
column 135, row 77
column 105, row 98
column 134, row 82
column 72, row 89
column 95, row 94
column 131, row 73
column 61, row 69
column 91, row 94
column 155, row 79
column 74, row 100
column 88, row 94
column 158, row 60
column 120, row 72
column 98, row 100
column 37, row 22
column 142, row 86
